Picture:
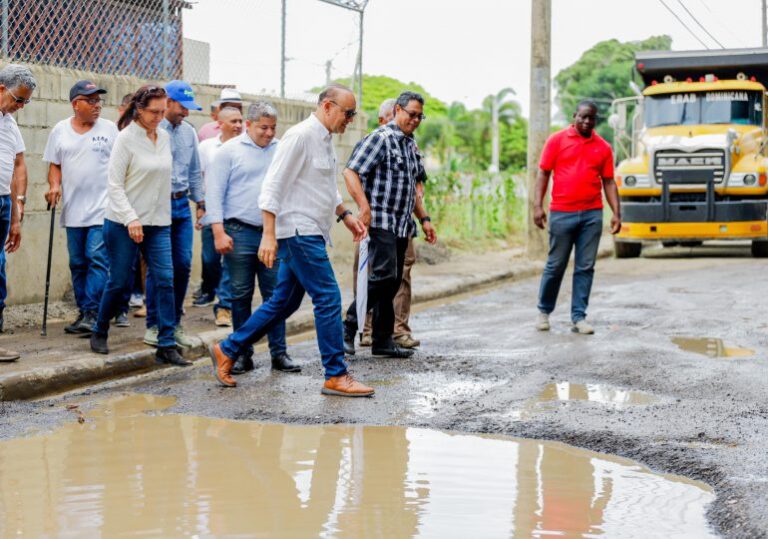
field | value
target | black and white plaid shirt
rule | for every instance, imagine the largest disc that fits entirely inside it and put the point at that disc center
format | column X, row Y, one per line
column 389, row 165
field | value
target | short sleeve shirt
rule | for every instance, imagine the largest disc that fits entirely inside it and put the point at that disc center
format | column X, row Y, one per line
column 11, row 144
column 84, row 162
column 579, row 165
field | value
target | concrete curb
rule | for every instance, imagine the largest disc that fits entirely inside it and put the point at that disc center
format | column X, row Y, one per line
column 81, row 372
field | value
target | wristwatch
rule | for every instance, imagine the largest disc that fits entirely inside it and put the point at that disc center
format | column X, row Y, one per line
column 343, row 215
column 22, row 198
column 425, row 219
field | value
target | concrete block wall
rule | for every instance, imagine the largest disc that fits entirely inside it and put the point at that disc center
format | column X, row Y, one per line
column 50, row 104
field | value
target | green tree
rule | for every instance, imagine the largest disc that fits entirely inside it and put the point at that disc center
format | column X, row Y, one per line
column 602, row 74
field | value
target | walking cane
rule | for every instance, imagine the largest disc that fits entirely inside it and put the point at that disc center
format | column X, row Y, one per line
column 48, row 270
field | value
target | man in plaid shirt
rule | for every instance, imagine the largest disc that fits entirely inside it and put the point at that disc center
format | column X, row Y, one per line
column 381, row 177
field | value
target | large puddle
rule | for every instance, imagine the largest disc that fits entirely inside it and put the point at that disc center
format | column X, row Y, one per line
column 122, row 472
column 710, row 347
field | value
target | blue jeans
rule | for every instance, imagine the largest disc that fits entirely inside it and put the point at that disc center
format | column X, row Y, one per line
column 88, row 265
column 121, row 250
column 215, row 276
column 582, row 230
column 181, row 255
column 5, row 227
column 243, row 266
column 304, row 267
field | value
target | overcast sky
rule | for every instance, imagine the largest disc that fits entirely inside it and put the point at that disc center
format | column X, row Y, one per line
column 459, row 51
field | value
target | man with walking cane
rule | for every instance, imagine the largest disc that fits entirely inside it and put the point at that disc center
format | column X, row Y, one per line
column 16, row 87
column 77, row 151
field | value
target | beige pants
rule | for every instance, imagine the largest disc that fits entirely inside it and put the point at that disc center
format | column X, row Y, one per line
column 402, row 300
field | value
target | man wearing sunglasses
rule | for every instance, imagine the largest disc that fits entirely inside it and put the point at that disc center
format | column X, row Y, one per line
column 78, row 151
column 381, row 177
column 16, row 86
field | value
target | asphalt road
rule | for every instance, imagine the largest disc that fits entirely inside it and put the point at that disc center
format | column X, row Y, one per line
column 483, row 368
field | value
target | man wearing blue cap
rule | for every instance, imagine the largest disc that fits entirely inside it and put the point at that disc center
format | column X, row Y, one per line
column 186, row 183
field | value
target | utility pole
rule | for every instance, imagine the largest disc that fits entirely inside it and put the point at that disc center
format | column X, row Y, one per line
column 538, row 125
column 282, row 50
column 359, row 7
column 765, row 25
column 494, row 168
column 328, row 66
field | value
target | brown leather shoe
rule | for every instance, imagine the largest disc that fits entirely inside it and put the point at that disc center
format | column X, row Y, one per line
column 407, row 341
column 346, row 386
column 8, row 355
column 222, row 365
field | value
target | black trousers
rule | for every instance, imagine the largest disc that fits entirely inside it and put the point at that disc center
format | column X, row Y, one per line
column 386, row 257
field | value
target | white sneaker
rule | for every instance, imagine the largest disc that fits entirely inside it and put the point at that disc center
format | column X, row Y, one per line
column 542, row 322
column 582, row 328
column 136, row 301
column 182, row 339
column 150, row 336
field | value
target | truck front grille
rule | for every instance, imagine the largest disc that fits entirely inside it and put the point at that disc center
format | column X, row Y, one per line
column 699, row 167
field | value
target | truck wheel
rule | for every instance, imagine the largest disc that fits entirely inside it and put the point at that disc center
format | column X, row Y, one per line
column 760, row 249
column 626, row 249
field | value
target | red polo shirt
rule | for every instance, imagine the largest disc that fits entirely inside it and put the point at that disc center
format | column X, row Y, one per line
column 578, row 165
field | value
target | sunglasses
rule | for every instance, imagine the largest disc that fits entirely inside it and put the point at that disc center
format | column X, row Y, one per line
column 91, row 100
column 19, row 100
column 348, row 113
column 413, row 115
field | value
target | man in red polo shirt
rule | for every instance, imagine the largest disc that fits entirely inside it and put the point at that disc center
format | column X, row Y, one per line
column 582, row 163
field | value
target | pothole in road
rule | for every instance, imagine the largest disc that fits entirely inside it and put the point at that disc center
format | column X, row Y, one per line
column 710, row 347
column 123, row 472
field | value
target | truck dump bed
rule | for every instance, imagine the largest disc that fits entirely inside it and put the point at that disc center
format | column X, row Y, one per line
column 724, row 64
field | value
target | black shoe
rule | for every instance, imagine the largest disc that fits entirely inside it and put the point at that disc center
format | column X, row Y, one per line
column 242, row 364
column 85, row 325
column 171, row 356
column 197, row 293
column 284, row 363
column 72, row 328
column 390, row 349
column 99, row 344
column 349, row 345
column 204, row 300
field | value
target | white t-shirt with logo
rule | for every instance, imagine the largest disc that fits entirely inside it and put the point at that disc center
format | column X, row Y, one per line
column 84, row 161
column 10, row 145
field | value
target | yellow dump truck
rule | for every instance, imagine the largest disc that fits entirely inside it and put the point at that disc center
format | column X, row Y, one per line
column 692, row 146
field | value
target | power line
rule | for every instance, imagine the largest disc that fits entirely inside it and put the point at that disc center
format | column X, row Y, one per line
column 722, row 26
column 688, row 11
column 684, row 25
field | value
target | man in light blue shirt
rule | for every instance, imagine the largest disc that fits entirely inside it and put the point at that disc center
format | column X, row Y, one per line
column 186, row 183
column 233, row 183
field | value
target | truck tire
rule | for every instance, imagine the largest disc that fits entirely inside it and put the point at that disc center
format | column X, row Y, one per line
column 627, row 249
column 760, row 249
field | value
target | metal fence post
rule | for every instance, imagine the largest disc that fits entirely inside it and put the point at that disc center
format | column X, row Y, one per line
column 4, row 43
column 166, row 38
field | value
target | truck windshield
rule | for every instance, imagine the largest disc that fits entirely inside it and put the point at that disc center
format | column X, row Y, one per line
column 721, row 107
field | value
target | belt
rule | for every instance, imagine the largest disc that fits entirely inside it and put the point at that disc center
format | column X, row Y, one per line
column 242, row 223
column 179, row 194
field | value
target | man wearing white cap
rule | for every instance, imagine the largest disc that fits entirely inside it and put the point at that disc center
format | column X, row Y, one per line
column 229, row 98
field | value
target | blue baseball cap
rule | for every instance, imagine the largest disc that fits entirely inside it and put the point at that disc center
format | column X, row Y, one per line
column 180, row 91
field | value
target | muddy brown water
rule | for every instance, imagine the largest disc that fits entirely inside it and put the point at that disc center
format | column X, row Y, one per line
column 711, row 347
column 568, row 391
column 131, row 470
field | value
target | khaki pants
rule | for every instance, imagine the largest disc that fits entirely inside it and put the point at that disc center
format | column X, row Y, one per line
column 402, row 302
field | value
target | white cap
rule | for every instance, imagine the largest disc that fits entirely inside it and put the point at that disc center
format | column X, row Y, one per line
column 230, row 95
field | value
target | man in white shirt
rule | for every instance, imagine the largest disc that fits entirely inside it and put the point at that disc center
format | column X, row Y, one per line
column 16, row 87
column 215, row 280
column 78, row 151
column 298, row 200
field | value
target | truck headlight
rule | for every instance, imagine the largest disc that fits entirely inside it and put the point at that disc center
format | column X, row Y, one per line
column 630, row 181
column 750, row 179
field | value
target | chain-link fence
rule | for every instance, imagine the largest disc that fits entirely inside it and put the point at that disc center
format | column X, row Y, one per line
column 142, row 38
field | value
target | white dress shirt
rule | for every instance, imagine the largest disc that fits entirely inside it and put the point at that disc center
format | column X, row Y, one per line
column 11, row 144
column 300, row 186
column 139, row 183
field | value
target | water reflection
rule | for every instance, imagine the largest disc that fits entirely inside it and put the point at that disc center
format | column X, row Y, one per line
column 127, row 473
column 567, row 391
column 710, row 347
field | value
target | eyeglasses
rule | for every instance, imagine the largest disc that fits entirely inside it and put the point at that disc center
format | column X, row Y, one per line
column 348, row 113
column 414, row 115
column 19, row 100
column 91, row 100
